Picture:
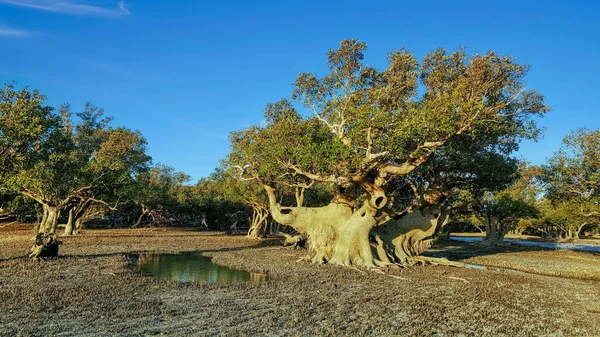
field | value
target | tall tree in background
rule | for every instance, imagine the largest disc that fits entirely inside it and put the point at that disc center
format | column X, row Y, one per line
column 248, row 193
column 500, row 210
column 572, row 181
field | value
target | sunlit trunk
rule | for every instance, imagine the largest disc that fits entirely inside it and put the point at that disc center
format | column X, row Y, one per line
column 406, row 235
column 39, row 226
column 351, row 246
column 69, row 228
column 46, row 244
column 49, row 224
column 259, row 218
column 145, row 211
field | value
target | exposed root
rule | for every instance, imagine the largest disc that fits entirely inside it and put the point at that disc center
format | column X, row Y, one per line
column 386, row 264
column 8, row 224
column 436, row 261
column 46, row 246
column 593, row 309
column 358, row 270
column 306, row 258
column 398, row 277
column 295, row 241
column 379, row 271
column 458, row 279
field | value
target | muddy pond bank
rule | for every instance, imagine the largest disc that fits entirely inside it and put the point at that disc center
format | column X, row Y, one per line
column 93, row 290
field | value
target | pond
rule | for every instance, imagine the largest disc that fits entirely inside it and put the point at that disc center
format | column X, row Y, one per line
column 191, row 267
column 552, row 245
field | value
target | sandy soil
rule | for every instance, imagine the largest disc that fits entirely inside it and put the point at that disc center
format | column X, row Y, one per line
column 94, row 291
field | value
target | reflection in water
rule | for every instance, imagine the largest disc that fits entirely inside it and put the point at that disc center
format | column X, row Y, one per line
column 193, row 268
column 553, row 245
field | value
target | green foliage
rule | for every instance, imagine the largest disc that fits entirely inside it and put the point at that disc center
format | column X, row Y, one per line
column 26, row 123
column 513, row 203
column 572, row 182
column 221, row 195
column 88, row 159
column 164, row 188
column 574, row 171
column 22, row 208
column 506, row 207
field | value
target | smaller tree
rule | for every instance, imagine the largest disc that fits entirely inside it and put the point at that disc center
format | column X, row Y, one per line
column 501, row 211
column 572, row 183
column 159, row 195
column 499, row 214
column 60, row 164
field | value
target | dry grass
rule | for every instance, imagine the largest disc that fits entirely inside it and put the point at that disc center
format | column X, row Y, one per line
column 563, row 263
column 93, row 290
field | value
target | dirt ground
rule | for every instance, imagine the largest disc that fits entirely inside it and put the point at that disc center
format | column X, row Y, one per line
column 92, row 290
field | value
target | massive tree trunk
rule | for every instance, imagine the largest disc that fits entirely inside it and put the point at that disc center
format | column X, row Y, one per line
column 319, row 224
column 352, row 245
column 407, row 234
column 340, row 234
column 336, row 233
column 50, row 220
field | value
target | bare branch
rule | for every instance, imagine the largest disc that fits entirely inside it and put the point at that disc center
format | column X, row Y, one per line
column 591, row 214
column 328, row 179
column 33, row 196
column 98, row 201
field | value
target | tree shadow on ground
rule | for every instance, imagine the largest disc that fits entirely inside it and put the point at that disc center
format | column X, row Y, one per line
column 457, row 250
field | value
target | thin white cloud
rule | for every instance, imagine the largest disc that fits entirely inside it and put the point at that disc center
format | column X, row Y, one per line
column 70, row 7
column 15, row 32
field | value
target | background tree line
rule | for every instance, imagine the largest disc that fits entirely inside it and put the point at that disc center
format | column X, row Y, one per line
column 422, row 148
column 75, row 167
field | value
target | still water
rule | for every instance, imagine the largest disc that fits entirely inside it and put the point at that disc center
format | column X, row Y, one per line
column 189, row 267
column 552, row 245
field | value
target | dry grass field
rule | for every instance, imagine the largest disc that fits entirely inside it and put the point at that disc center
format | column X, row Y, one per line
column 93, row 290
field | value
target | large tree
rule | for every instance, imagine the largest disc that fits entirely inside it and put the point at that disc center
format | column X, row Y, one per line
column 371, row 130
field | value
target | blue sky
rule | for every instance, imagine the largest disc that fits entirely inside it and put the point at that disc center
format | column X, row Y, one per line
column 186, row 73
